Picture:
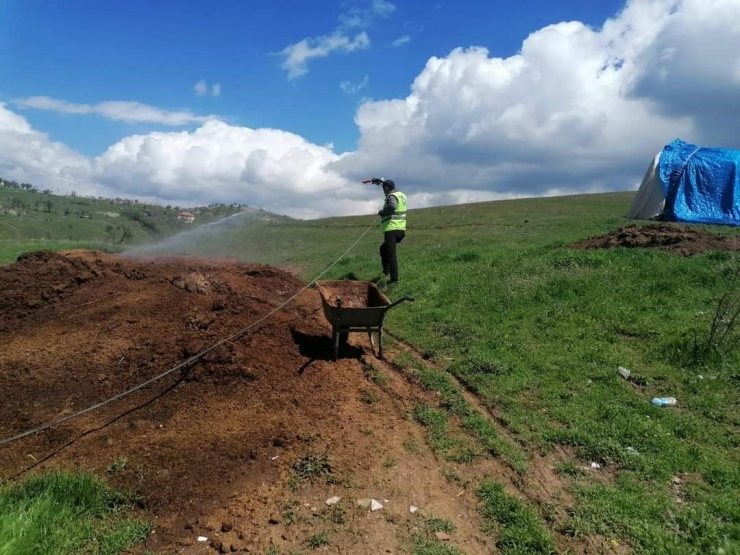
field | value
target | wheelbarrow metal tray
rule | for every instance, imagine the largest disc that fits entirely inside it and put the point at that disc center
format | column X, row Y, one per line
column 363, row 305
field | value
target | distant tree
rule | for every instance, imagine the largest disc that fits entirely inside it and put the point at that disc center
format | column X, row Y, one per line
column 67, row 211
column 48, row 204
column 47, row 191
column 37, row 203
column 73, row 194
column 18, row 204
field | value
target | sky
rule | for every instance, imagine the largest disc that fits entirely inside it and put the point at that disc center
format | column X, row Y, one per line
column 289, row 105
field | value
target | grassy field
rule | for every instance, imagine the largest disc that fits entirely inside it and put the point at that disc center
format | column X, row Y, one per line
column 537, row 331
column 64, row 513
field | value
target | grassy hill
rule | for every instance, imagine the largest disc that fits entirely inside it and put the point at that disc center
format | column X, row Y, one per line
column 537, row 330
column 32, row 219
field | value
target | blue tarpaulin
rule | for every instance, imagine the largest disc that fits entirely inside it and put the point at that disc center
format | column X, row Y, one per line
column 701, row 185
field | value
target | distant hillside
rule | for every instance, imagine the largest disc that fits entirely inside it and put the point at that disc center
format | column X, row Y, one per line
column 32, row 219
column 27, row 213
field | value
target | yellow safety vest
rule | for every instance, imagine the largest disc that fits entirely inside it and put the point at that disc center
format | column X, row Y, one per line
column 397, row 220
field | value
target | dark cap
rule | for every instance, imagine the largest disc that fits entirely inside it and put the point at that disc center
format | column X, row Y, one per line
column 388, row 183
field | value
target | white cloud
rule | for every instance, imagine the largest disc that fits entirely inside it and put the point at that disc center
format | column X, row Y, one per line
column 201, row 89
column 360, row 14
column 578, row 109
column 26, row 154
column 354, row 88
column 298, row 55
column 129, row 112
column 401, row 41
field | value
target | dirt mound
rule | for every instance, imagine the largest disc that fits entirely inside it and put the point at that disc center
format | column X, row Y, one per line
column 210, row 448
column 40, row 278
column 683, row 240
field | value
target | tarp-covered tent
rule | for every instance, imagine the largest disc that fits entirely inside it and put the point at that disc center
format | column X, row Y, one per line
column 688, row 183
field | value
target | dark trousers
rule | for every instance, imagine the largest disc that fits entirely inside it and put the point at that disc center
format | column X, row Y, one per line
column 388, row 253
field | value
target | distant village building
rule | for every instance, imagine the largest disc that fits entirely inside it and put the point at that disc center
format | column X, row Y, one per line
column 186, row 217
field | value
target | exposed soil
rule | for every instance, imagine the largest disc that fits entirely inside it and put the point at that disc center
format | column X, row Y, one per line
column 679, row 239
column 210, row 449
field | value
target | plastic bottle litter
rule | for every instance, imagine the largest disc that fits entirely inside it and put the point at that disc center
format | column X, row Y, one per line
column 663, row 401
column 624, row 372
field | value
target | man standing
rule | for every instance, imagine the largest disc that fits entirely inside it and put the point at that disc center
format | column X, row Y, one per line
column 393, row 224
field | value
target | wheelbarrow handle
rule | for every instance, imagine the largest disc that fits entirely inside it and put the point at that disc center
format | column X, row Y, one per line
column 399, row 301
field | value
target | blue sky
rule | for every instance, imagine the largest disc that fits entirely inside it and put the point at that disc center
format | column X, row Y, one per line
column 154, row 53
column 289, row 105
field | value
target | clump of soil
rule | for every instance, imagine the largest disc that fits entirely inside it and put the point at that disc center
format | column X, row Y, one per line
column 683, row 240
column 40, row 278
column 194, row 283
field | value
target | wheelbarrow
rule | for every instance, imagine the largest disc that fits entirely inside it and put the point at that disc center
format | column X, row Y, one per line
column 355, row 306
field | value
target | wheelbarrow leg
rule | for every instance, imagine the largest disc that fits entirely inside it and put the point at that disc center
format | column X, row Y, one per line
column 380, row 344
column 372, row 341
column 335, row 338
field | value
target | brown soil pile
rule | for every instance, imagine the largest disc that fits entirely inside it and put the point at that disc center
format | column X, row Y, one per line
column 210, row 449
column 679, row 239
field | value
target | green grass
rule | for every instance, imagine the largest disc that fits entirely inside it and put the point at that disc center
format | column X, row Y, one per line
column 455, row 404
column 537, row 331
column 63, row 513
column 517, row 527
column 312, row 466
column 424, row 541
column 318, row 540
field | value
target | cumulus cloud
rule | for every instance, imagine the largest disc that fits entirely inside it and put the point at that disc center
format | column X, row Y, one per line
column 354, row 88
column 201, row 89
column 358, row 15
column 401, row 41
column 25, row 153
column 129, row 112
column 577, row 109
